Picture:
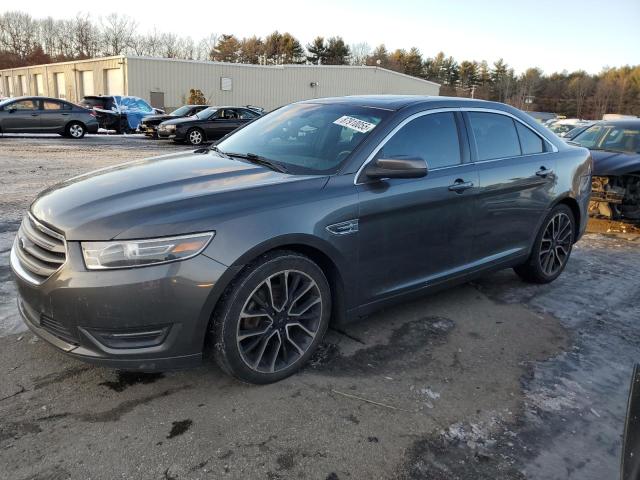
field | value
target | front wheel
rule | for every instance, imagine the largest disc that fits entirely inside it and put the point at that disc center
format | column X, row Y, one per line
column 552, row 247
column 75, row 130
column 195, row 136
column 271, row 318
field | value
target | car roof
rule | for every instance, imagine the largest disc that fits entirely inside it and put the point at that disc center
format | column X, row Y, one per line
column 628, row 123
column 397, row 102
column 35, row 97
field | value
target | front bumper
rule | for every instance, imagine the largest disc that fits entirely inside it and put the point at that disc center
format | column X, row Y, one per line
column 76, row 310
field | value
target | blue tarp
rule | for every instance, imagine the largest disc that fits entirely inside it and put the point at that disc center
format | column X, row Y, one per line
column 134, row 108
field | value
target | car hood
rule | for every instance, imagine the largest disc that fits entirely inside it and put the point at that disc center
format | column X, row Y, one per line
column 614, row 163
column 157, row 118
column 182, row 120
column 169, row 195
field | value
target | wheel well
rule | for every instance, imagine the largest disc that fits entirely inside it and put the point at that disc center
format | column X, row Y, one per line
column 575, row 209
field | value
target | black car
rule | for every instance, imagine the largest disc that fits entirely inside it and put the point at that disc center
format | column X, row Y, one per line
column 318, row 213
column 121, row 114
column 210, row 124
column 615, row 148
column 46, row 115
column 149, row 124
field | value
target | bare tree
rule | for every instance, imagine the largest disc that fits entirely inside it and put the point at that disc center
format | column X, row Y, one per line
column 118, row 34
column 359, row 53
column 86, row 36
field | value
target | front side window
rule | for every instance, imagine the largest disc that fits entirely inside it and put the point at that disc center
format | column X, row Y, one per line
column 495, row 135
column 23, row 105
column 307, row 138
column 530, row 142
column 434, row 138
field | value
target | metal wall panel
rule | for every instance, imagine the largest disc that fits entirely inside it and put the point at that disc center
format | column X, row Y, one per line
column 265, row 86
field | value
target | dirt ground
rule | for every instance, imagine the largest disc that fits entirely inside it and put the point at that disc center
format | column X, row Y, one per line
column 492, row 380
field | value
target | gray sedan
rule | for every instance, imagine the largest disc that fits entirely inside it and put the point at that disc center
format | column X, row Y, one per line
column 46, row 115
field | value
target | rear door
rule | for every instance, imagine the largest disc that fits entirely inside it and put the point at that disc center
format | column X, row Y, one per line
column 54, row 115
column 22, row 116
column 417, row 232
column 516, row 168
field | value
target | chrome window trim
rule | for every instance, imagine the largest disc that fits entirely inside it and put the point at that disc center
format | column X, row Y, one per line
column 371, row 156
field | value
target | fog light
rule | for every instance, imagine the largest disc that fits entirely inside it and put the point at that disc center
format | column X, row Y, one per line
column 151, row 337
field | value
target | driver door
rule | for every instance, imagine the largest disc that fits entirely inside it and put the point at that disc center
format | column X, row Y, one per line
column 22, row 116
column 414, row 233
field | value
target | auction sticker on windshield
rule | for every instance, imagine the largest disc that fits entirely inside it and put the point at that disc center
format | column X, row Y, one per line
column 354, row 124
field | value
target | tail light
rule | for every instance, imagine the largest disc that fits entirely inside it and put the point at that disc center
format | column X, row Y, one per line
column 92, row 113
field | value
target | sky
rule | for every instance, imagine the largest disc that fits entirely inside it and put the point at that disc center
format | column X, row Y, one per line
column 552, row 35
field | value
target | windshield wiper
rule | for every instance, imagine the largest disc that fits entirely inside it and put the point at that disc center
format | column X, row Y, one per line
column 259, row 160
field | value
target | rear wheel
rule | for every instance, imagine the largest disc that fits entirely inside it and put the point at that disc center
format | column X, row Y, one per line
column 195, row 136
column 552, row 247
column 75, row 130
column 272, row 318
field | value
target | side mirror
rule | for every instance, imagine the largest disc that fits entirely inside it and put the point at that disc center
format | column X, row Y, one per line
column 12, row 109
column 408, row 167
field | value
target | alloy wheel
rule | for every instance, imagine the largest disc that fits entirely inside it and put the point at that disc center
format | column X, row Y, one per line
column 279, row 321
column 76, row 131
column 195, row 137
column 556, row 242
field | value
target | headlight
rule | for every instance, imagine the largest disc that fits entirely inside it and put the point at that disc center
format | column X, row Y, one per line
column 139, row 253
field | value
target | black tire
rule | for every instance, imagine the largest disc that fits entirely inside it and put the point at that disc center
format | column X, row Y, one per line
column 282, row 346
column 195, row 136
column 75, row 130
column 552, row 247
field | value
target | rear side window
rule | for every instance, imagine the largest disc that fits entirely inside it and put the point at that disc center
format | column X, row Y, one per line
column 495, row 135
column 529, row 141
column 432, row 137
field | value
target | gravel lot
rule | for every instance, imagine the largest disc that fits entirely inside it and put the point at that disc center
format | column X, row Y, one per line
column 491, row 380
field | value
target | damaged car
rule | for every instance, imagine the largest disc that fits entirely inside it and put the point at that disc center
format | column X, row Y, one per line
column 149, row 124
column 121, row 114
column 615, row 148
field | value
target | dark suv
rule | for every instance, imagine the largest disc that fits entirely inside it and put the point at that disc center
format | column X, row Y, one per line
column 321, row 211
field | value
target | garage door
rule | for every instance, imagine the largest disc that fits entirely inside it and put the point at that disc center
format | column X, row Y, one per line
column 86, row 81
column 61, row 87
column 113, row 81
column 39, row 81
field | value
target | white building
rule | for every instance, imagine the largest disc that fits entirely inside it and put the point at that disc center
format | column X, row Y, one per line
column 165, row 83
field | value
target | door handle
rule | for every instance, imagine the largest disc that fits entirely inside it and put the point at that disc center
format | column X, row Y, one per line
column 544, row 172
column 460, row 186
column 65, row 114
column 35, row 114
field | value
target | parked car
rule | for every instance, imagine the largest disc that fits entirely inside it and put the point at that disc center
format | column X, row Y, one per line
column 149, row 124
column 210, row 124
column 46, row 115
column 119, row 113
column 615, row 148
column 542, row 117
column 320, row 212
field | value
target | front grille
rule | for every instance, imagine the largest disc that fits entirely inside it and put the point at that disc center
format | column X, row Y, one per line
column 58, row 330
column 40, row 250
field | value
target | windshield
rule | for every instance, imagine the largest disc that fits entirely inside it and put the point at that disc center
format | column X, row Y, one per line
column 306, row 138
column 610, row 137
column 181, row 112
column 206, row 113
